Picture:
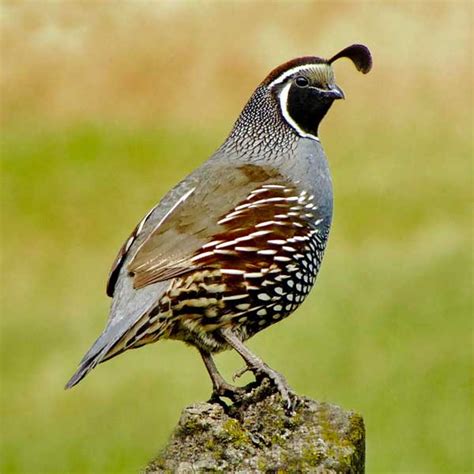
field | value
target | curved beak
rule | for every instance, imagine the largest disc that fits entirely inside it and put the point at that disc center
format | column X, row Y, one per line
column 335, row 92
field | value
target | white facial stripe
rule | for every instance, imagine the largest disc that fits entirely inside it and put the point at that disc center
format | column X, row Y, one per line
column 287, row 74
column 296, row 69
column 284, row 110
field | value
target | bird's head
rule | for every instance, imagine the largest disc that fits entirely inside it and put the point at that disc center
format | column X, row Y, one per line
column 305, row 87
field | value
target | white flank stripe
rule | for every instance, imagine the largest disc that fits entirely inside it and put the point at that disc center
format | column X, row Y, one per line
column 142, row 222
column 225, row 252
column 259, row 233
column 234, row 297
column 277, row 242
column 263, row 224
column 242, row 206
column 273, row 186
column 227, row 219
column 226, row 244
column 130, row 240
column 260, row 202
column 239, row 239
column 202, row 255
column 246, row 249
column 298, row 238
column 267, row 252
column 178, row 202
column 253, row 275
column 211, row 244
column 231, row 271
column 257, row 191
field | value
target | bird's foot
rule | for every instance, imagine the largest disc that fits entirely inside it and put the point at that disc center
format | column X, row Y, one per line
column 224, row 389
column 260, row 369
column 278, row 380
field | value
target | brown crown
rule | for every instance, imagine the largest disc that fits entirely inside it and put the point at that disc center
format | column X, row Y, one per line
column 278, row 71
column 357, row 53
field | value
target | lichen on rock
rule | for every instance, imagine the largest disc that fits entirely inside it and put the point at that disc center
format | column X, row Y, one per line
column 258, row 435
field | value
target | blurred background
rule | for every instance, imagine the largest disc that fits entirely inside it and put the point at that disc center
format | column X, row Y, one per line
column 105, row 106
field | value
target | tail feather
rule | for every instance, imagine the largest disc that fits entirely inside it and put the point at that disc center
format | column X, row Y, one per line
column 128, row 307
column 86, row 365
column 103, row 349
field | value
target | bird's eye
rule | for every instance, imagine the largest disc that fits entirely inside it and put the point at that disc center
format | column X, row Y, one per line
column 301, row 81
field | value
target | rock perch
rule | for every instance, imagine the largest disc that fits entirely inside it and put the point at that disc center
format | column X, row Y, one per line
column 257, row 435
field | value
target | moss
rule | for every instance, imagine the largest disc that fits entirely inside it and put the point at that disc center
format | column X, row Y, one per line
column 311, row 456
column 210, row 444
column 277, row 439
column 261, row 465
column 191, row 426
column 237, row 435
column 357, row 429
column 297, row 418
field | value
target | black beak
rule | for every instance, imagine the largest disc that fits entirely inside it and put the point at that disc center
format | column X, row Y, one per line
column 334, row 92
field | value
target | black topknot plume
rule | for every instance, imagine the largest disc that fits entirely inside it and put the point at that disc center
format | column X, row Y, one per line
column 358, row 54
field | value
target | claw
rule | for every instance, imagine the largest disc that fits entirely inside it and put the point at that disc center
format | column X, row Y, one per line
column 239, row 373
column 280, row 383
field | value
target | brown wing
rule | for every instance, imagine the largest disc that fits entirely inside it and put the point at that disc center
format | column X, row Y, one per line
column 208, row 214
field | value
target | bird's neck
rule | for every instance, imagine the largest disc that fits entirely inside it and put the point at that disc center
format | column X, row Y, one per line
column 260, row 131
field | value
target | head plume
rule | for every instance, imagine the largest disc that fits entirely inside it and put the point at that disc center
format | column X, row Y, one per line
column 358, row 54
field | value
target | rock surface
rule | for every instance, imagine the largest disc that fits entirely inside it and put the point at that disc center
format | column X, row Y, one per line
column 258, row 435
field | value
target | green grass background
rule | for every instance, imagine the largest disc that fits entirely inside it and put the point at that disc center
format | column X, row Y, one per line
column 89, row 144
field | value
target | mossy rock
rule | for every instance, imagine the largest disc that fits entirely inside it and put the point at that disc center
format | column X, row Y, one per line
column 257, row 435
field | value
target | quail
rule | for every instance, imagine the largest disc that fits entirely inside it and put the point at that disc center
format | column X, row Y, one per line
column 236, row 246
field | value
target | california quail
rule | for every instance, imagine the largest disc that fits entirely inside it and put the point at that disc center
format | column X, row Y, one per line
column 235, row 246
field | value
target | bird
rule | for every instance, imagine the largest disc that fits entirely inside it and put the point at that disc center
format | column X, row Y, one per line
column 235, row 246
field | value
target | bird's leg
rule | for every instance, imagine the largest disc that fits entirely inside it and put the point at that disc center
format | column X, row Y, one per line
column 220, row 388
column 258, row 367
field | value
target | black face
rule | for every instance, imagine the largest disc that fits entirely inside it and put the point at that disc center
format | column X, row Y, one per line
column 307, row 104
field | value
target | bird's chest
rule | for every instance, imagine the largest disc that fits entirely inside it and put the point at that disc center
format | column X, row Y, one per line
column 286, row 284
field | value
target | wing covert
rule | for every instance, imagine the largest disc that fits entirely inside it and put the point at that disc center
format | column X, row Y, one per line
column 212, row 211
